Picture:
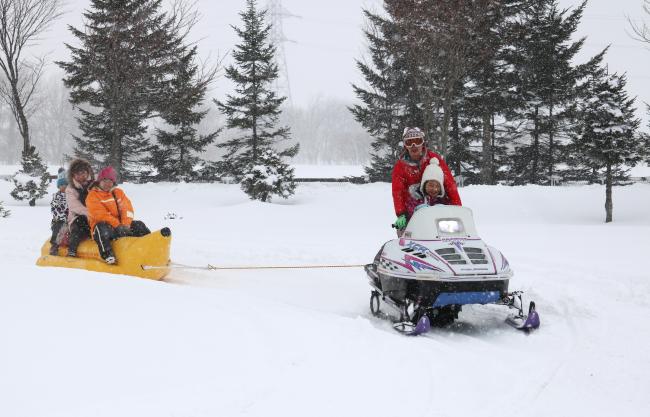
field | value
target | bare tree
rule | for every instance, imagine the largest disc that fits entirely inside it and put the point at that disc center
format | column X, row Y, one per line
column 21, row 24
column 641, row 30
column 184, row 15
column 54, row 120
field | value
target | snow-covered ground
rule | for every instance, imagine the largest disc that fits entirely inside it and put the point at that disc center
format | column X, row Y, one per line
column 302, row 342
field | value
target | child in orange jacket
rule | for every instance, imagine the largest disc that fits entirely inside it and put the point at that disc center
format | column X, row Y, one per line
column 110, row 214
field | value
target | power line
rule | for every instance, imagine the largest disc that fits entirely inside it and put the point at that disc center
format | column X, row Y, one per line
column 276, row 14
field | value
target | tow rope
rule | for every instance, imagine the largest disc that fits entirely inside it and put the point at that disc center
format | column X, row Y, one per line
column 215, row 268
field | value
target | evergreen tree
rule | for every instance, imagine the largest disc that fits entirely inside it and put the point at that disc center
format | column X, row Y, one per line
column 463, row 131
column 267, row 177
column 32, row 179
column 3, row 211
column 175, row 154
column 542, row 56
column 607, row 130
column 580, row 166
column 254, row 110
column 390, row 100
column 488, row 95
column 119, row 77
column 444, row 41
column 422, row 54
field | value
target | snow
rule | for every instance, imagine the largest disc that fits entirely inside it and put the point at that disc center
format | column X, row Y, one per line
column 641, row 170
column 302, row 342
column 328, row 171
column 9, row 170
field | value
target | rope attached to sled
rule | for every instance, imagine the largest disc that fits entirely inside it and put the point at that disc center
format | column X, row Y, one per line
column 215, row 268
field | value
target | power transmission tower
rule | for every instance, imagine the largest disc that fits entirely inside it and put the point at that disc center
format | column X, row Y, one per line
column 276, row 13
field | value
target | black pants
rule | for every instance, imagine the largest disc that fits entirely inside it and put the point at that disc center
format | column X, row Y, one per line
column 105, row 233
column 139, row 229
column 56, row 228
column 79, row 230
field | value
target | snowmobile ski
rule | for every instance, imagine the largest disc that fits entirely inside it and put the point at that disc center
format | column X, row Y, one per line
column 524, row 322
column 408, row 328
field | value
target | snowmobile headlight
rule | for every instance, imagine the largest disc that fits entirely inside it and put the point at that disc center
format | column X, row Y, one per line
column 450, row 226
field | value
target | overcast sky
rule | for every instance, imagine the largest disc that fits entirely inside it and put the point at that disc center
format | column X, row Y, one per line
column 324, row 39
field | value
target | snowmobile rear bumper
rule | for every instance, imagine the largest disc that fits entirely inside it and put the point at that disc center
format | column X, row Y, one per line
column 462, row 298
column 442, row 293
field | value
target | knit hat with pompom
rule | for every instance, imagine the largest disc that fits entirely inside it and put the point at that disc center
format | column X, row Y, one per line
column 107, row 173
column 433, row 172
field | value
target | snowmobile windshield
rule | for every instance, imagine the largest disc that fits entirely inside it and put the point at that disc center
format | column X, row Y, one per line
column 450, row 227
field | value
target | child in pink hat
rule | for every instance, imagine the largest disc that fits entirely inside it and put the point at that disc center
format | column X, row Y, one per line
column 111, row 214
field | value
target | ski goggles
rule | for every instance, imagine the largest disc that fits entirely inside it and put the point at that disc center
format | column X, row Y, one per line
column 410, row 142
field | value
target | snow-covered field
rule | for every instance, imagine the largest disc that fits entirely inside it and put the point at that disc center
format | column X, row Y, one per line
column 302, row 342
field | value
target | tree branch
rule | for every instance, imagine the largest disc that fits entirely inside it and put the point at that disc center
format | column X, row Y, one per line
column 21, row 24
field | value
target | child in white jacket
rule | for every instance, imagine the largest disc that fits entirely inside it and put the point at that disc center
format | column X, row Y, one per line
column 59, row 208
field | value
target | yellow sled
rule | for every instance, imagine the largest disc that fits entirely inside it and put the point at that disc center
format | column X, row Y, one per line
column 132, row 254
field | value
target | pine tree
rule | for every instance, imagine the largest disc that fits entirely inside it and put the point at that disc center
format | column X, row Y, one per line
column 488, row 97
column 389, row 102
column 32, row 179
column 118, row 77
column 463, row 131
column 175, row 154
column 607, row 130
column 254, row 110
column 269, row 176
column 579, row 166
column 421, row 55
column 447, row 40
column 542, row 56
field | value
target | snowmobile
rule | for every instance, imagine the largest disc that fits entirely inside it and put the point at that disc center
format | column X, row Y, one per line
column 438, row 265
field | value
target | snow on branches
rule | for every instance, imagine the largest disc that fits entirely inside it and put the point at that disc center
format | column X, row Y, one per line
column 32, row 179
column 269, row 176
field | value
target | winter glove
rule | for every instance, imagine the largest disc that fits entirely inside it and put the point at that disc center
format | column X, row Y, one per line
column 400, row 223
column 123, row 230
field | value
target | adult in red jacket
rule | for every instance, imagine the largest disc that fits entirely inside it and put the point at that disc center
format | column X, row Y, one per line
column 407, row 174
